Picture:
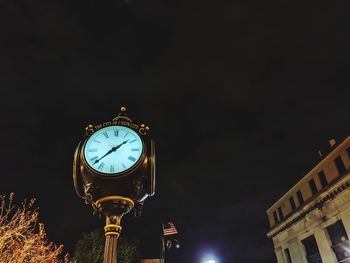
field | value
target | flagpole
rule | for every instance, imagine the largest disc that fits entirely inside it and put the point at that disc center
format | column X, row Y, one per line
column 162, row 245
column 168, row 229
column 163, row 248
column 160, row 249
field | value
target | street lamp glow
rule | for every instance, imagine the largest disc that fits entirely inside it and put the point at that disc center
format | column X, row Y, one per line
column 209, row 257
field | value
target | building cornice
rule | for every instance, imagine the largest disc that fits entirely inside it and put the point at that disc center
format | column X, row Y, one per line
column 310, row 173
column 329, row 194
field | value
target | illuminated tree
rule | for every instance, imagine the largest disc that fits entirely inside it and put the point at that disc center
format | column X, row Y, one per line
column 22, row 237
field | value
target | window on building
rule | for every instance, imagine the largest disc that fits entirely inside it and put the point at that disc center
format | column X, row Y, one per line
column 300, row 198
column 323, row 179
column 340, row 165
column 288, row 257
column 275, row 217
column 292, row 203
column 311, row 250
column 339, row 239
column 280, row 214
column 313, row 187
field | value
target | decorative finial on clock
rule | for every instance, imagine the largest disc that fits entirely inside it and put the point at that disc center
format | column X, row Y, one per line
column 143, row 129
column 122, row 115
column 89, row 129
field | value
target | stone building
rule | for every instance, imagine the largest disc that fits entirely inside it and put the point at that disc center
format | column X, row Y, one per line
column 311, row 222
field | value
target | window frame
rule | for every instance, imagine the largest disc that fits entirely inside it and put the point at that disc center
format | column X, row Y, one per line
column 313, row 187
column 340, row 165
column 300, row 197
column 323, row 179
column 292, row 203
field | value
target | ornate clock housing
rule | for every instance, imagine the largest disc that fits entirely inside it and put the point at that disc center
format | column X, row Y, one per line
column 116, row 158
column 113, row 150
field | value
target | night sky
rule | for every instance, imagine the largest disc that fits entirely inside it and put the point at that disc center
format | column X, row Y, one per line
column 239, row 96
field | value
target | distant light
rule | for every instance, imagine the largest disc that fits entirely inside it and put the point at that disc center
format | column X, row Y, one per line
column 209, row 257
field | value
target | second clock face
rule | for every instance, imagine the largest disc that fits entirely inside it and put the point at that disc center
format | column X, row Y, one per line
column 113, row 149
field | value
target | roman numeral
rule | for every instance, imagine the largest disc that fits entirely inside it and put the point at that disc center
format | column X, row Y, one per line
column 126, row 134
column 111, row 169
column 105, row 134
column 124, row 166
column 135, row 149
column 92, row 150
column 116, row 132
column 134, row 140
column 94, row 158
column 96, row 141
column 100, row 167
column 133, row 159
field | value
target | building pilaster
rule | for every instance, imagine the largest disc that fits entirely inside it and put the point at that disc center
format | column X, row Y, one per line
column 296, row 251
column 324, row 246
column 345, row 217
column 279, row 255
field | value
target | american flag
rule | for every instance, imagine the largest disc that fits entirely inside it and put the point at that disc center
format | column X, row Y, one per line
column 169, row 229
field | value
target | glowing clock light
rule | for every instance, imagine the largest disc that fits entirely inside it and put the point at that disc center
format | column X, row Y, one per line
column 113, row 149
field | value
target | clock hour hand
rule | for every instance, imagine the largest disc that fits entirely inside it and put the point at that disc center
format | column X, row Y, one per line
column 111, row 150
column 118, row 146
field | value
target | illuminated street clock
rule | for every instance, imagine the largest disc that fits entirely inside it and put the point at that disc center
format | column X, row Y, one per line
column 113, row 150
column 114, row 171
column 115, row 159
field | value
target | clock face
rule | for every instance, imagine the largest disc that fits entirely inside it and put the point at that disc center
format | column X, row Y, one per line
column 113, row 149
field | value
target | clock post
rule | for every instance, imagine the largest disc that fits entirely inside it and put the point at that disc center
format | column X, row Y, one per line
column 114, row 171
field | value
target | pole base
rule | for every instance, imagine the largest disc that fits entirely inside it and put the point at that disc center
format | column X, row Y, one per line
column 113, row 207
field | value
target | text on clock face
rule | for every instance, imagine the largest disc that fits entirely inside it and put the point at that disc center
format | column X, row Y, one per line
column 113, row 149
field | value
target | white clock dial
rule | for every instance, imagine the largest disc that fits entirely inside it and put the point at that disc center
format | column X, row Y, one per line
column 113, row 149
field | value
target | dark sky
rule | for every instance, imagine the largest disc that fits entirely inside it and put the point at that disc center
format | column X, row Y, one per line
column 239, row 95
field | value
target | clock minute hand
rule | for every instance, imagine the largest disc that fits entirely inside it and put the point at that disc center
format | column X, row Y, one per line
column 107, row 153
column 110, row 151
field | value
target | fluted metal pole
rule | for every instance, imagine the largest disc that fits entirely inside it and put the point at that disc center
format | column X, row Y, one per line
column 112, row 232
